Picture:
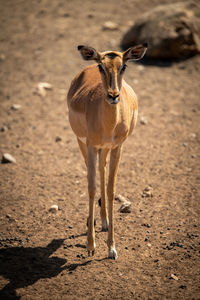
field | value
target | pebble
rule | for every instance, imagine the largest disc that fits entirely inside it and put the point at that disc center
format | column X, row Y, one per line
column 182, row 286
column 148, row 192
column 4, row 129
column 143, row 120
column 53, row 208
column 8, row 158
column 174, row 277
column 15, row 107
column 90, row 16
column 125, row 207
column 58, row 139
column 146, row 225
column 120, row 198
column 193, row 135
column 42, row 87
column 110, row 26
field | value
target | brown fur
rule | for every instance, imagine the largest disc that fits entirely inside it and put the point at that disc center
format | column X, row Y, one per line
column 102, row 113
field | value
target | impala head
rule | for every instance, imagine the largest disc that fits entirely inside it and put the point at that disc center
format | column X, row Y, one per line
column 112, row 65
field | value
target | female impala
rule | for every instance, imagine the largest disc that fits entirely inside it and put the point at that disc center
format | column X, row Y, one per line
column 102, row 113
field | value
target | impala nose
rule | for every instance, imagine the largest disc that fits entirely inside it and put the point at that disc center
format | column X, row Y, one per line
column 113, row 99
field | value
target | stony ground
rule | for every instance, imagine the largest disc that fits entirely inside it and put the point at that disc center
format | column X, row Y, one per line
column 43, row 254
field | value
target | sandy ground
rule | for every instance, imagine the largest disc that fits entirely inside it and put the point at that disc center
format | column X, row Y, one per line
column 43, row 254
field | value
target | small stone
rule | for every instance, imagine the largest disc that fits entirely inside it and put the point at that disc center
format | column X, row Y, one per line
column 148, row 192
column 53, row 208
column 4, row 129
column 8, row 158
column 120, row 198
column 174, row 277
column 182, row 286
column 15, row 107
column 143, row 120
column 125, row 207
column 42, row 87
column 193, row 135
column 146, row 225
column 90, row 16
column 110, row 26
column 149, row 245
column 58, row 139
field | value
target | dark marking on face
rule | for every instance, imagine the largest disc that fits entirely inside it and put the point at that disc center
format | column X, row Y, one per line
column 111, row 55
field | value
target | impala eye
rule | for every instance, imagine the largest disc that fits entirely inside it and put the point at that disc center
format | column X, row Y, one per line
column 123, row 68
column 100, row 68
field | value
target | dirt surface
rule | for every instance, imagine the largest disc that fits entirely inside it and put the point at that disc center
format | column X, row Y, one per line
column 43, row 254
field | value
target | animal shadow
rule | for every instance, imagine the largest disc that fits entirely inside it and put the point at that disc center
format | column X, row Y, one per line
column 24, row 266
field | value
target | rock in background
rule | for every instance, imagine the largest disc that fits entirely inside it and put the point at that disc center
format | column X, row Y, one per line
column 172, row 31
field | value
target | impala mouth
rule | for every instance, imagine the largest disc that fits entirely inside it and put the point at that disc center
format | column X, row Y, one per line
column 113, row 100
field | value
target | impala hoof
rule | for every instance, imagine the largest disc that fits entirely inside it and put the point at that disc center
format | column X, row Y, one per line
column 104, row 225
column 91, row 252
column 104, row 229
column 112, row 254
column 91, row 249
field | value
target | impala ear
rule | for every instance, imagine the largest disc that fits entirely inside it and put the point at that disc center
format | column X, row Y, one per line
column 89, row 53
column 136, row 52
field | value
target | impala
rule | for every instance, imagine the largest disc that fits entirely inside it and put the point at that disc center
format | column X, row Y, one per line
column 103, row 112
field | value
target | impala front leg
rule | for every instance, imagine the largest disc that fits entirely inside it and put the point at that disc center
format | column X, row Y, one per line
column 114, row 164
column 102, row 168
column 91, row 166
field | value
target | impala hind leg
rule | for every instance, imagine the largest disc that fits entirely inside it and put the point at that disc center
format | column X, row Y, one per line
column 91, row 166
column 103, row 203
column 114, row 164
column 83, row 149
